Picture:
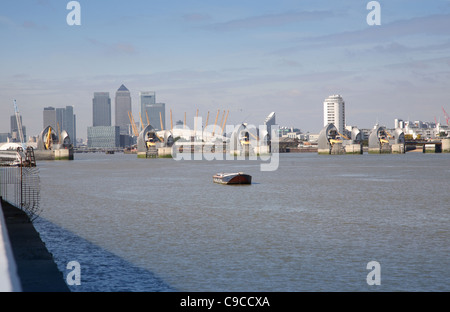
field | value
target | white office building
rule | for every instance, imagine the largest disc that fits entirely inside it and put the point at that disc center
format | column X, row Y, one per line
column 334, row 112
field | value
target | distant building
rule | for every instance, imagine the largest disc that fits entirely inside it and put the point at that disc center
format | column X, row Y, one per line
column 101, row 109
column 69, row 124
column 269, row 122
column 49, row 117
column 103, row 137
column 5, row 137
column 334, row 112
column 156, row 112
column 421, row 129
column 14, row 134
column 61, row 119
column 122, row 107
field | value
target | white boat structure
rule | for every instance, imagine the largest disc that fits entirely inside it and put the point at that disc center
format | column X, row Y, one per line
column 13, row 155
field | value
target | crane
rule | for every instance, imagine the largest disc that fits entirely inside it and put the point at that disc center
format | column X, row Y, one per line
column 19, row 124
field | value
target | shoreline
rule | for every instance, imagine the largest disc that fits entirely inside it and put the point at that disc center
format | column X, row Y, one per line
column 36, row 268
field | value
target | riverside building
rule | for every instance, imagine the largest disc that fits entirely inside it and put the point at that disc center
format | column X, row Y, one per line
column 334, row 112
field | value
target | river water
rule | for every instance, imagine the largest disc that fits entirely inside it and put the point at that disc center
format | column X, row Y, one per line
column 313, row 224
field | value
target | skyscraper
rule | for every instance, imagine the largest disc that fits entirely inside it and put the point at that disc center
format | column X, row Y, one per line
column 123, row 106
column 49, row 118
column 15, row 129
column 101, row 109
column 69, row 124
column 61, row 119
column 270, row 121
column 156, row 111
column 334, row 112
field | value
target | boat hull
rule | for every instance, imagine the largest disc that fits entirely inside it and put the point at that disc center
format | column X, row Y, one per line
column 232, row 178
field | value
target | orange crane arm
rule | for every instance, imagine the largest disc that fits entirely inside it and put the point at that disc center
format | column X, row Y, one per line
column 207, row 118
column 195, row 123
column 215, row 123
column 142, row 124
column 133, row 124
column 221, row 121
column 224, row 122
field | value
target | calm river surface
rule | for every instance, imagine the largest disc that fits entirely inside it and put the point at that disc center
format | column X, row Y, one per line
column 312, row 225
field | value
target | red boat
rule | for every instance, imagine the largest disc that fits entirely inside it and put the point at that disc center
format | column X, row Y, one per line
column 232, row 178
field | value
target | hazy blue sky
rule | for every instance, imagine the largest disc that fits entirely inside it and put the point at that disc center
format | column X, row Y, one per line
column 249, row 57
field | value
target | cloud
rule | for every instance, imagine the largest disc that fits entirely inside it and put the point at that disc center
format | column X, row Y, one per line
column 270, row 20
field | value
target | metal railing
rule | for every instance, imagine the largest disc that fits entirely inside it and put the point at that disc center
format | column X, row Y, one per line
column 20, row 186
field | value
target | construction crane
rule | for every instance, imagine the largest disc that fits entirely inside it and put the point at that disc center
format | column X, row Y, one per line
column 19, row 124
column 447, row 118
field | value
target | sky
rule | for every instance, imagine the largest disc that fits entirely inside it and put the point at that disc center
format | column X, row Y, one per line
column 250, row 58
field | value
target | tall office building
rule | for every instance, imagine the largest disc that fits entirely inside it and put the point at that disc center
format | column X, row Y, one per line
column 69, row 124
column 101, row 109
column 103, row 137
column 123, row 106
column 15, row 129
column 61, row 119
column 49, row 118
column 334, row 112
column 156, row 112
column 270, row 121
